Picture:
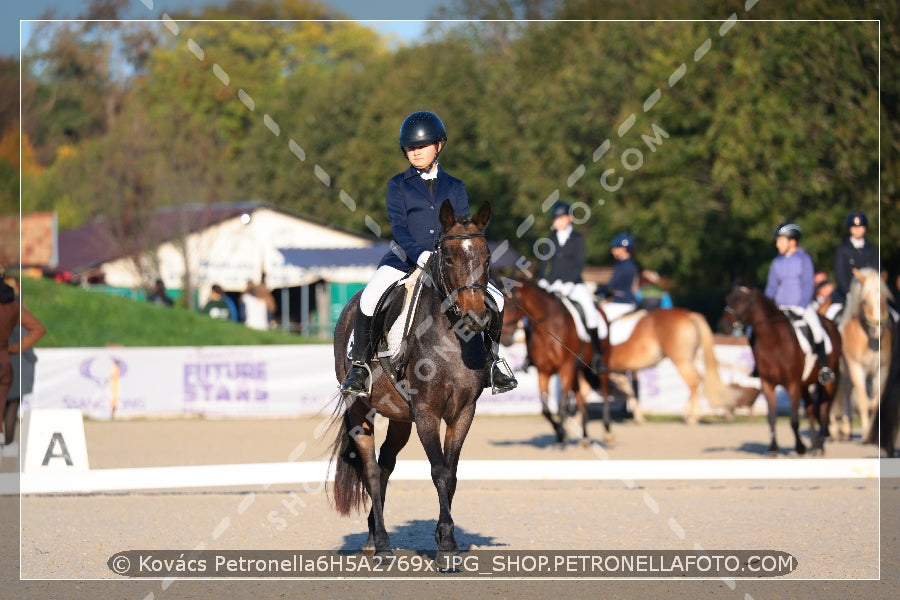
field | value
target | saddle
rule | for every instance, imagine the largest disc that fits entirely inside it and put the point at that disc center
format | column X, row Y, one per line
column 392, row 328
column 803, row 332
column 577, row 315
column 620, row 329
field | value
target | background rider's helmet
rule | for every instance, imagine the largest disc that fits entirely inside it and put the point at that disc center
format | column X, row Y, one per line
column 789, row 230
column 422, row 128
column 560, row 208
column 857, row 217
column 622, row 240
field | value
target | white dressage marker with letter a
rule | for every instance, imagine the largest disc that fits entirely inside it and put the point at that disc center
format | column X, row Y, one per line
column 53, row 439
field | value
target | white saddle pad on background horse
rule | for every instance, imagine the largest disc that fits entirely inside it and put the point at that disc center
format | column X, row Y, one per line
column 621, row 329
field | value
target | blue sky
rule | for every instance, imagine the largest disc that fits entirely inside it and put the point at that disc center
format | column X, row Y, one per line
column 403, row 18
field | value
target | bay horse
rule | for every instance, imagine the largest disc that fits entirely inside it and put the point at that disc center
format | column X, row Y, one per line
column 555, row 348
column 780, row 360
column 445, row 375
column 866, row 337
column 679, row 335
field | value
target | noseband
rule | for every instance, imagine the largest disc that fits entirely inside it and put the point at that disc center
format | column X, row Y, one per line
column 738, row 320
column 449, row 302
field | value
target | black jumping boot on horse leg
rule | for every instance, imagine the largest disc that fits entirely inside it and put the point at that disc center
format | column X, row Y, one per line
column 597, row 364
column 357, row 382
column 498, row 381
column 826, row 375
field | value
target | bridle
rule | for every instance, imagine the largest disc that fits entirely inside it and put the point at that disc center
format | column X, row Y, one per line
column 738, row 321
column 449, row 302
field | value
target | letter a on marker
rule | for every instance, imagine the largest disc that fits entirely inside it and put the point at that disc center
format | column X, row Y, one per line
column 64, row 450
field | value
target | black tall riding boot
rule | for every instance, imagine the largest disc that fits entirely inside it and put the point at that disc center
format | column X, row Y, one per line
column 598, row 364
column 356, row 383
column 498, row 381
column 826, row 375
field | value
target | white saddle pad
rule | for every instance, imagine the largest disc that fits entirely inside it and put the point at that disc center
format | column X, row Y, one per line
column 576, row 316
column 620, row 329
column 395, row 335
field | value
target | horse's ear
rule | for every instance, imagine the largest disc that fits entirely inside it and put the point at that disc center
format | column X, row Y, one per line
column 483, row 216
column 859, row 276
column 448, row 216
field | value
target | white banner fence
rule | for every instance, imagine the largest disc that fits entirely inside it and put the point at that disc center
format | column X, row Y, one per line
column 277, row 381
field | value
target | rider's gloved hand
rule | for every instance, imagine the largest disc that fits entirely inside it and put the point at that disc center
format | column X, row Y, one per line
column 543, row 283
column 423, row 258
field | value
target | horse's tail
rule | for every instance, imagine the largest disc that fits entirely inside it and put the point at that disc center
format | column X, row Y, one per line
column 716, row 392
column 348, row 493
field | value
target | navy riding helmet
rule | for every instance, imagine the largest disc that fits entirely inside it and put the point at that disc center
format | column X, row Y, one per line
column 560, row 208
column 857, row 218
column 420, row 129
column 622, row 240
column 789, row 230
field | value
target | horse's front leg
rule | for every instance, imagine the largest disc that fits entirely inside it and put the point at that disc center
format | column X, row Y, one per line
column 858, row 378
column 768, row 391
column 398, row 433
column 795, row 393
column 544, row 388
column 364, row 438
column 457, row 430
column 428, row 426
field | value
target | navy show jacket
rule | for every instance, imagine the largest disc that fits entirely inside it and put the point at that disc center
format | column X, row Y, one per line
column 414, row 213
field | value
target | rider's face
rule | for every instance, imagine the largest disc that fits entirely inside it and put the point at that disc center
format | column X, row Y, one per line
column 561, row 222
column 783, row 244
column 421, row 156
column 858, row 231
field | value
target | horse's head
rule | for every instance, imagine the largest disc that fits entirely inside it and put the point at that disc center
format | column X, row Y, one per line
column 462, row 265
column 513, row 313
column 868, row 300
column 738, row 307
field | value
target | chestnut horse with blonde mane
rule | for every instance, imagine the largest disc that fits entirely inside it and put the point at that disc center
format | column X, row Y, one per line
column 866, row 335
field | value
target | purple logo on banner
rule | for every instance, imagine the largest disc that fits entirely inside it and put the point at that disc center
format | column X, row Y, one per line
column 102, row 369
column 225, row 382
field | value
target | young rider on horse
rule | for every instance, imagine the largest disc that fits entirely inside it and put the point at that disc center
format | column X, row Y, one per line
column 854, row 252
column 619, row 291
column 413, row 201
column 790, row 285
column 561, row 273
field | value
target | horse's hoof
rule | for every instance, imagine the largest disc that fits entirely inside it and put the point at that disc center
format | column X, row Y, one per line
column 585, row 442
column 609, row 440
column 447, row 561
column 387, row 553
column 801, row 450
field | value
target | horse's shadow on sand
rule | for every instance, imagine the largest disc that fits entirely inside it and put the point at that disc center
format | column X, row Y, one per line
column 417, row 535
column 784, row 448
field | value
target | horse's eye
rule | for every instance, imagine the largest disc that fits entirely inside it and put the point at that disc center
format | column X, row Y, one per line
column 448, row 261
